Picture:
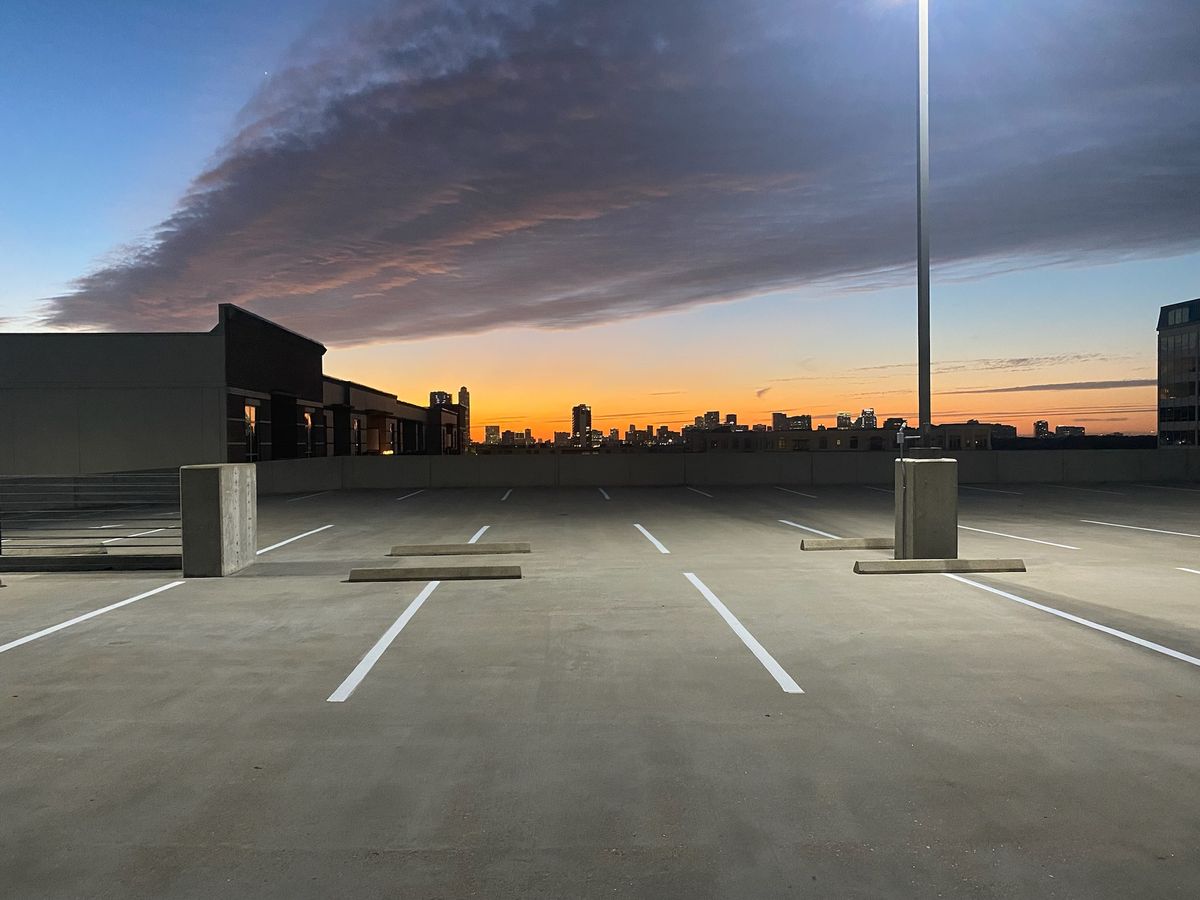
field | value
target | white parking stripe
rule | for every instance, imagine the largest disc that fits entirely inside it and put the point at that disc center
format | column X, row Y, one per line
column 289, row 540
column 346, row 688
column 1140, row 528
column 139, row 534
column 1193, row 571
column 413, row 494
column 604, row 493
column 1125, row 636
column 478, row 534
column 652, row 539
column 783, row 678
column 1016, row 537
column 797, row 493
column 806, row 528
column 879, row 489
column 1072, row 487
column 971, row 487
column 12, row 645
column 507, row 494
column 1167, row 487
column 307, row 496
column 698, row 491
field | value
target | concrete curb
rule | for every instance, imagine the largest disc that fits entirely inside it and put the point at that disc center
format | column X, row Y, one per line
column 935, row 566
column 847, row 543
column 458, row 549
column 435, row 573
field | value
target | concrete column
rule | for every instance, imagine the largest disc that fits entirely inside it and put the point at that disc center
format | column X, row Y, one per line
column 926, row 509
column 219, row 504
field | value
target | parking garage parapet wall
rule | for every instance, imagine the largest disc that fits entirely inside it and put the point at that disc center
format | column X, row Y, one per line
column 650, row 469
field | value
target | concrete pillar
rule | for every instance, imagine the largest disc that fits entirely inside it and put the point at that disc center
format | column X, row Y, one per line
column 219, row 504
column 926, row 509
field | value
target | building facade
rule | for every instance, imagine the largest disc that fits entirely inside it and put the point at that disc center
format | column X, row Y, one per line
column 1178, row 365
column 249, row 390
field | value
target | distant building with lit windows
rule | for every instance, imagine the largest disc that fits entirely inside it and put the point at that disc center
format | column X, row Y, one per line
column 1178, row 367
column 581, row 424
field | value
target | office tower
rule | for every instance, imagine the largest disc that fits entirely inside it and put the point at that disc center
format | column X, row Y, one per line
column 868, row 419
column 464, row 401
column 440, row 398
column 712, row 419
column 699, row 421
column 491, row 434
column 1178, row 370
column 562, row 439
column 731, row 419
column 844, row 420
column 614, row 435
column 799, row 423
column 779, row 421
column 1041, row 428
column 581, row 424
column 1069, row 431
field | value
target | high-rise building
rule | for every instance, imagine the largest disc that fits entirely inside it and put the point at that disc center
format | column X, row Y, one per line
column 464, row 400
column 440, row 398
column 712, row 419
column 699, row 421
column 581, row 424
column 614, row 435
column 896, row 422
column 779, row 421
column 562, row 439
column 1041, row 429
column 731, row 418
column 844, row 420
column 1178, row 371
column 868, row 419
column 1069, row 431
column 799, row 423
column 491, row 434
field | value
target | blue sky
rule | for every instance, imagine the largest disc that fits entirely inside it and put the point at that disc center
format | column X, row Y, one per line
column 438, row 188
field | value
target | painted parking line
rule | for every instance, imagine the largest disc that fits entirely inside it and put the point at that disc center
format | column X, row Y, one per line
column 604, row 493
column 1017, row 537
column 698, row 491
column 1073, row 487
column 1079, row 620
column 806, row 528
column 652, row 539
column 507, row 494
column 346, row 688
column 797, row 493
column 289, row 540
column 1193, row 571
column 139, row 534
column 12, row 645
column 477, row 535
column 971, row 487
column 878, row 489
column 413, row 494
column 784, row 680
column 307, row 496
column 1140, row 528
column 1168, row 487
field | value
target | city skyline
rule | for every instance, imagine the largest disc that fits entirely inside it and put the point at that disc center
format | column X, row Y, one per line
column 754, row 255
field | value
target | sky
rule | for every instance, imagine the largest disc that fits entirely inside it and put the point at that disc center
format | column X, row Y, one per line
column 655, row 208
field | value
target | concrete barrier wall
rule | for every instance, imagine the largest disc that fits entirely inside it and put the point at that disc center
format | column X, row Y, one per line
column 632, row 469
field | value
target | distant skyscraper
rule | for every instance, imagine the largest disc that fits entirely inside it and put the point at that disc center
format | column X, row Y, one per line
column 699, row 422
column 562, row 439
column 844, row 420
column 712, row 419
column 1178, row 363
column 731, row 418
column 614, row 435
column 1069, row 431
column 581, row 424
column 779, row 421
column 464, row 400
column 1041, row 428
column 868, row 419
column 440, row 398
column 491, row 434
column 799, row 423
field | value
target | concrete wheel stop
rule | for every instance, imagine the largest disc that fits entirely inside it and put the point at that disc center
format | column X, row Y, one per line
column 936, row 566
column 435, row 573
column 881, row 543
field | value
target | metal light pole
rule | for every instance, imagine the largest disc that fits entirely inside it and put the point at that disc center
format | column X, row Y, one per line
column 923, row 385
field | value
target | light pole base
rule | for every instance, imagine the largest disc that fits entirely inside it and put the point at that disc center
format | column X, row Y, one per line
column 926, row 509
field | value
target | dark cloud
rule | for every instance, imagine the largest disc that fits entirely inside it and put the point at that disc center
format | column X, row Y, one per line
column 1067, row 386
column 761, row 391
column 452, row 166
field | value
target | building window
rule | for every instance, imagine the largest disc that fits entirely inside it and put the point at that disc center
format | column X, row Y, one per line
column 250, row 418
column 309, row 436
column 355, row 436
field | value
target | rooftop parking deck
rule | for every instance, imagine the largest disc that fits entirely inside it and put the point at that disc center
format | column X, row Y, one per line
column 674, row 701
